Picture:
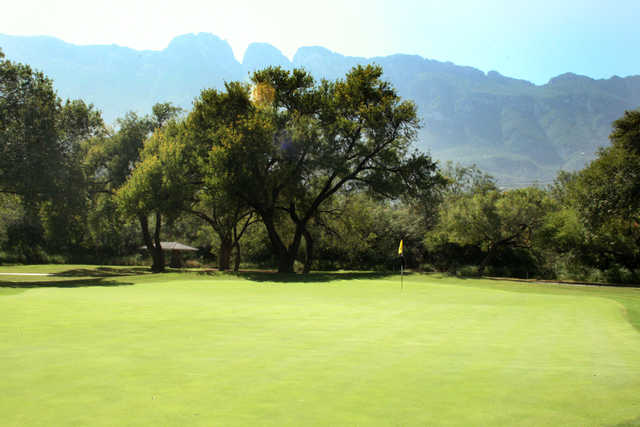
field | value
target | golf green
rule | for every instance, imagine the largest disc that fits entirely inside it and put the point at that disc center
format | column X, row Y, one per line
column 117, row 347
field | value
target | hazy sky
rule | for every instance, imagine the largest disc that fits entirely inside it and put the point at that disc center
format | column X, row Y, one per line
column 533, row 40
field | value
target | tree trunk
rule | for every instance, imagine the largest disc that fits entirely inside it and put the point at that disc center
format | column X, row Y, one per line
column 236, row 265
column 158, row 253
column 309, row 251
column 153, row 244
column 286, row 256
column 158, row 260
column 224, row 254
column 292, row 251
column 487, row 259
column 285, row 262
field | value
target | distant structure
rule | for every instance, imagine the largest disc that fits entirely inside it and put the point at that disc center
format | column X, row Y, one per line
column 175, row 249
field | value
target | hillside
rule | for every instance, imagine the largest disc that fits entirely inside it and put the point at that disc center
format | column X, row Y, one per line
column 511, row 128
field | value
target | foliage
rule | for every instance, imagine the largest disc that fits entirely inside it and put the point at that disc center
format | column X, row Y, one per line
column 42, row 153
column 111, row 157
column 64, row 215
column 607, row 194
column 463, row 180
column 309, row 173
column 10, row 213
column 356, row 231
column 31, row 154
column 289, row 157
column 475, row 214
column 156, row 184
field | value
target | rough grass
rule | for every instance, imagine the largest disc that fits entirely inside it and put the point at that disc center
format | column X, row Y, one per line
column 109, row 346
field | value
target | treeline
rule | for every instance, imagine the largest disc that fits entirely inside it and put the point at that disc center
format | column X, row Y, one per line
column 290, row 173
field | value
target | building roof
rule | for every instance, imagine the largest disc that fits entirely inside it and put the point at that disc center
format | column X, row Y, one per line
column 173, row 246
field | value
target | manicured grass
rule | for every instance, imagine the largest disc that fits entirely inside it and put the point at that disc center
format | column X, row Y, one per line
column 106, row 347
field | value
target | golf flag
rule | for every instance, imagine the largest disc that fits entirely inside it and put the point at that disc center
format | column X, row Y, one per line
column 400, row 248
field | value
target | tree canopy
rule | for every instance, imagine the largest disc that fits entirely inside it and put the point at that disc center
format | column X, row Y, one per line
column 291, row 144
column 607, row 193
column 157, row 183
column 316, row 172
column 30, row 150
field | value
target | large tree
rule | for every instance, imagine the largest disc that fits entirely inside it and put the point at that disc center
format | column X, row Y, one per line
column 156, row 187
column 112, row 159
column 41, row 157
column 285, row 145
column 492, row 220
column 65, row 214
column 612, row 180
column 607, row 193
column 30, row 151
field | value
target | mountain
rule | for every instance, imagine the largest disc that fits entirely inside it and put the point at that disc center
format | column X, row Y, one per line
column 511, row 128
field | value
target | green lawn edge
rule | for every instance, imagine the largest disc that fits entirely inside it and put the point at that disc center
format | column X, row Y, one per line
column 92, row 275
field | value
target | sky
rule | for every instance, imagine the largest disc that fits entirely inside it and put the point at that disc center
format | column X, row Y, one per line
column 531, row 40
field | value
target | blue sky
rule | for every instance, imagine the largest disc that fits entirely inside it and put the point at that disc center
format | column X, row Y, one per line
column 533, row 40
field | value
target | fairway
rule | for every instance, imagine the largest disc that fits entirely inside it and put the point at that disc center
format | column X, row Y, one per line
column 108, row 347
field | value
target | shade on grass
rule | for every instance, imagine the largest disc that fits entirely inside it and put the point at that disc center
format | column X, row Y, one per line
column 188, row 349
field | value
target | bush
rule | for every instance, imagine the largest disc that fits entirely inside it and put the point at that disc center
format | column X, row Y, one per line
column 427, row 268
column 619, row 275
column 25, row 242
column 468, row 271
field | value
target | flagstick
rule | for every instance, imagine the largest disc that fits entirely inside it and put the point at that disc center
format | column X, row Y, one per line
column 401, row 253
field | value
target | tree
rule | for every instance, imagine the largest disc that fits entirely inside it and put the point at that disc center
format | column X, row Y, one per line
column 493, row 220
column 466, row 180
column 287, row 148
column 155, row 187
column 112, row 159
column 228, row 217
column 30, row 151
column 41, row 155
column 613, row 179
column 109, row 160
column 65, row 214
column 356, row 231
column 607, row 194
column 162, row 113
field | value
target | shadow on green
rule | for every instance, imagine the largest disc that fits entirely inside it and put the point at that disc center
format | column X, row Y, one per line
column 630, row 423
column 81, row 277
column 561, row 282
column 103, row 272
column 63, row 283
column 320, row 277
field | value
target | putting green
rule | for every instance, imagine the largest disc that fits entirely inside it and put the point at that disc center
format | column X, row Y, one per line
column 195, row 349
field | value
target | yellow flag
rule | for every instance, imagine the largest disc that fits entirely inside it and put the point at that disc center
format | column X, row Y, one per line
column 400, row 248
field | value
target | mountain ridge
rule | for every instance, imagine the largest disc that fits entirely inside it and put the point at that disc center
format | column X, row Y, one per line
column 512, row 128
